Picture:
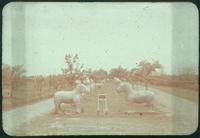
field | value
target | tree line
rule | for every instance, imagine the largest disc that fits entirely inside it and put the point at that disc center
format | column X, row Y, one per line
column 14, row 76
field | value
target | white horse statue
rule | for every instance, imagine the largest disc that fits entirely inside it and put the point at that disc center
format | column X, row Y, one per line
column 70, row 97
column 139, row 97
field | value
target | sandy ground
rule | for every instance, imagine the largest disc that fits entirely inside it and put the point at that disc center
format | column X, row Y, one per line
column 172, row 115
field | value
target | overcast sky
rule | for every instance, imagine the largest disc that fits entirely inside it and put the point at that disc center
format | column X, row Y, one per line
column 104, row 35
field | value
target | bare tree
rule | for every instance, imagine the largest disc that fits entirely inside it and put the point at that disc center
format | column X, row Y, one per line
column 39, row 83
column 16, row 77
column 6, row 74
column 189, row 70
column 74, row 68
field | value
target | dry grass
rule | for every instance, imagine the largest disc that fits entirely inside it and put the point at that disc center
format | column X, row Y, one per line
column 191, row 95
column 81, row 125
column 24, row 96
column 189, row 82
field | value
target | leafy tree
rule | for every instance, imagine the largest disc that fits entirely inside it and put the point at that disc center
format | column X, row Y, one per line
column 120, row 73
column 98, row 75
column 144, row 69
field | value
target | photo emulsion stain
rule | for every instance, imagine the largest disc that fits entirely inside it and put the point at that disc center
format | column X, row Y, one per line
column 100, row 68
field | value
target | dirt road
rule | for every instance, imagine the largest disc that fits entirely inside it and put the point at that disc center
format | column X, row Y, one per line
column 21, row 115
column 185, row 112
column 36, row 119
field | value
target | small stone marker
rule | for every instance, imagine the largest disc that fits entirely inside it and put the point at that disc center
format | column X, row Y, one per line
column 102, row 104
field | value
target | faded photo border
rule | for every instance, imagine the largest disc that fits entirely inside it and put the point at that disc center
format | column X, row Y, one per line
column 176, row 63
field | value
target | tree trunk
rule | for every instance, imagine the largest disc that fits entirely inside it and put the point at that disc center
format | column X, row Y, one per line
column 146, row 84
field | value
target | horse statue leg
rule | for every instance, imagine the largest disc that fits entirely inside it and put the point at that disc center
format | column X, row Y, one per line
column 129, row 108
column 57, row 108
column 78, row 109
column 106, row 107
